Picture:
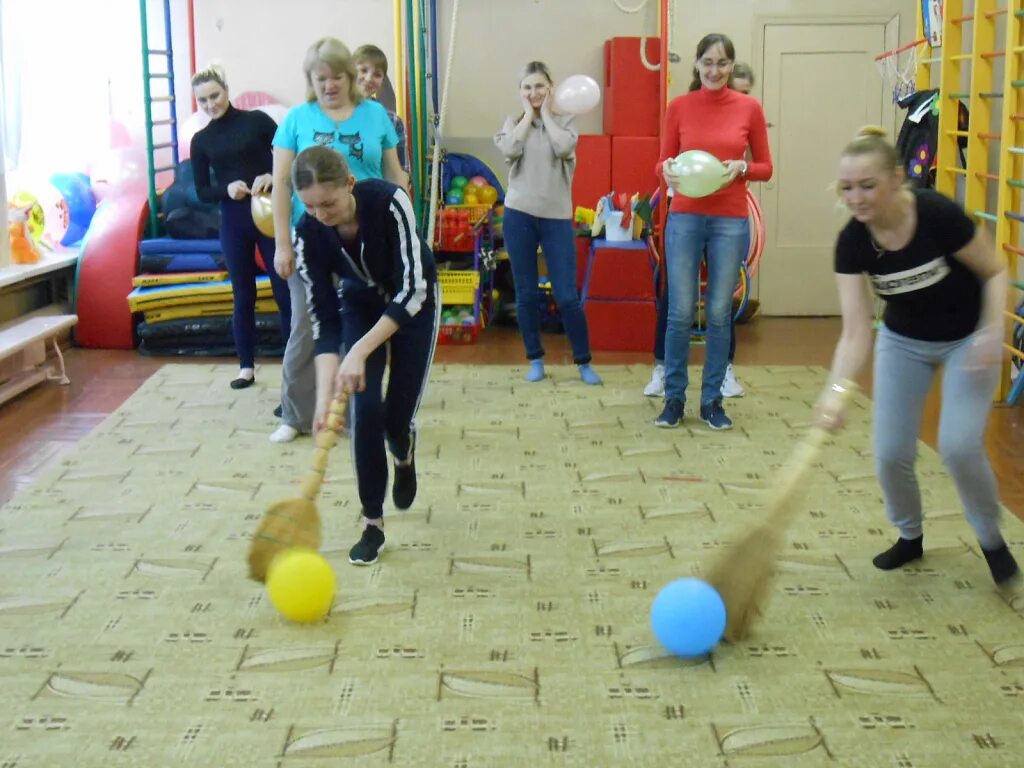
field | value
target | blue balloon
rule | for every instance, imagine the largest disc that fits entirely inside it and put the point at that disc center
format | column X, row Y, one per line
column 688, row 617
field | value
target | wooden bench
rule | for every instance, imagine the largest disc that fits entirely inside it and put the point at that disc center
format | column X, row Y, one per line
column 23, row 353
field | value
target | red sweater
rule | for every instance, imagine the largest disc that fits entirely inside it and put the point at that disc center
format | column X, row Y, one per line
column 723, row 122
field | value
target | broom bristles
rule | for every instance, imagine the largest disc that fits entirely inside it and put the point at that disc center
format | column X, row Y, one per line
column 295, row 522
column 743, row 573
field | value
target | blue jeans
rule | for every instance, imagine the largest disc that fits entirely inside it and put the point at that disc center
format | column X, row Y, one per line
column 523, row 233
column 661, row 320
column 690, row 238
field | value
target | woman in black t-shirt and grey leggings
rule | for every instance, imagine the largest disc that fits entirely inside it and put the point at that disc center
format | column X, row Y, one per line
column 944, row 288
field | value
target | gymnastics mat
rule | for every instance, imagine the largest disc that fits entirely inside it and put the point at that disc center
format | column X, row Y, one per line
column 160, row 296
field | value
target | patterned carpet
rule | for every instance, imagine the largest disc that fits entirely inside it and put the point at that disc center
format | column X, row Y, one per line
column 507, row 622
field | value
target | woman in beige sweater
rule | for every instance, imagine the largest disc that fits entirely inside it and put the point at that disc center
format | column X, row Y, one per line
column 539, row 147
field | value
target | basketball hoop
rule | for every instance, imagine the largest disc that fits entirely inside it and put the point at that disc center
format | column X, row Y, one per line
column 899, row 73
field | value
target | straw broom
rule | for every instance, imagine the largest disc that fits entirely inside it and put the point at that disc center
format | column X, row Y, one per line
column 295, row 522
column 743, row 572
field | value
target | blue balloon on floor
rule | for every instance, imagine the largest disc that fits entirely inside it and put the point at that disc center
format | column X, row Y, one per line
column 688, row 617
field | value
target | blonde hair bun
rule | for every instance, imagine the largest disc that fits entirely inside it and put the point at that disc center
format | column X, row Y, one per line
column 872, row 130
column 212, row 72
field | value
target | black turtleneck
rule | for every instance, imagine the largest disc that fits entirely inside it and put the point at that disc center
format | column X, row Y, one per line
column 238, row 146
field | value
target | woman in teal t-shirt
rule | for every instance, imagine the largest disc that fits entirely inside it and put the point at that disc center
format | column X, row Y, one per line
column 335, row 115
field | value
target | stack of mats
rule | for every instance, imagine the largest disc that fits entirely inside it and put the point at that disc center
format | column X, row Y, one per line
column 184, row 295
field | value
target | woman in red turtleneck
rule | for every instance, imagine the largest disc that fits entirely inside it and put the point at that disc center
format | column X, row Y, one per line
column 719, row 120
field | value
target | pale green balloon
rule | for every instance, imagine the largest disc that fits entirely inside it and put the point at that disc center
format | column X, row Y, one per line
column 700, row 173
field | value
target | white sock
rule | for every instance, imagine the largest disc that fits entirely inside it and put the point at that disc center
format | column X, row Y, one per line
column 247, row 373
column 376, row 522
column 284, row 434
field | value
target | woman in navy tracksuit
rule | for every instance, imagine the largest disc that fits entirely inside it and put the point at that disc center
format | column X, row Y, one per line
column 236, row 145
column 365, row 234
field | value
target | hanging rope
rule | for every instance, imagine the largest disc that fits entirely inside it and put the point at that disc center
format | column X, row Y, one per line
column 643, row 39
column 435, row 168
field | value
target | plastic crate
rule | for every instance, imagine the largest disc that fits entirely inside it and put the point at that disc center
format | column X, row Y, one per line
column 458, row 334
column 458, row 286
column 457, row 225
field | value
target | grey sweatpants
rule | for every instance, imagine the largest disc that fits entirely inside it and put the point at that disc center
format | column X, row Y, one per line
column 298, row 378
column 904, row 371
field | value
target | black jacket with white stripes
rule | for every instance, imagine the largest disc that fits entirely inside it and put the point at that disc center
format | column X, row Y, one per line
column 393, row 260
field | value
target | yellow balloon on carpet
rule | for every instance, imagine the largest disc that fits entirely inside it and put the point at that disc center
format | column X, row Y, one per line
column 262, row 214
column 301, row 585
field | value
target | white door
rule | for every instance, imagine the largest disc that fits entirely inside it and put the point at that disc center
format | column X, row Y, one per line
column 820, row 85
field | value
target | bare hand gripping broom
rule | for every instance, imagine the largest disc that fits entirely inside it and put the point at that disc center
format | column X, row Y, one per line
column 743, row 572
column 295, row 522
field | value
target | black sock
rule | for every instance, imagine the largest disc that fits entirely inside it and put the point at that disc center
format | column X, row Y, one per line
column 900, row 553
column 1001, row 563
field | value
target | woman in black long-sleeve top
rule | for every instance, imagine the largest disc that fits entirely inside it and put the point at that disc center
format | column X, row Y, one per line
column 384, row 314
column 237, row 146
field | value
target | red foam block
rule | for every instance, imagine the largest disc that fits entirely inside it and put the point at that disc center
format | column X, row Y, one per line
column 621, row 273
column 634, row 159
column 593, row 177
column 630, row 101
column 621, row 326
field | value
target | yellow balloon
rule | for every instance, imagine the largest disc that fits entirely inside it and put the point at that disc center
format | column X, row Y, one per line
column 301, row 585
column 262, row 214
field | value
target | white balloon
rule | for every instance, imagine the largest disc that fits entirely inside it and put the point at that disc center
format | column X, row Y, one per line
column 577, row 94
column 193, row 124
column 276, row 111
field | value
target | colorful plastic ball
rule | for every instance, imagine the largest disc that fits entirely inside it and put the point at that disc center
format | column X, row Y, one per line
column 301, row 585
column 688, row 617
column 79, row 202
column 35, row 219
column 470, row 197
column 488, row 195
column 454, row 197
column 477, row 181
column 458, row 182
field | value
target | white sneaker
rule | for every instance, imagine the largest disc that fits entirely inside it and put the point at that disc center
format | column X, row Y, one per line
column 731, row 387
column 656, row 386
column 284, row 434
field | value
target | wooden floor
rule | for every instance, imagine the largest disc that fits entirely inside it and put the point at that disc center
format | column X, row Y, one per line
column 47, row 421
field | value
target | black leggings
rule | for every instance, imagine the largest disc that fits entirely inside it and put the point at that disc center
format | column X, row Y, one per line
column 238, row 239
column 386, row 417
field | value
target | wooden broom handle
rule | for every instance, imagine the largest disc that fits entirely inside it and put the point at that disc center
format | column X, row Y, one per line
column 325, row 440
column 805, row 453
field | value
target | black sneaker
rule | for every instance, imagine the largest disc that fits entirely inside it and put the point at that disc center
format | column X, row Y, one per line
column 1005, row 571
column 368, row 547
column 671, row 415
column 278, row 411
column 403, row 489
column 714, row 416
